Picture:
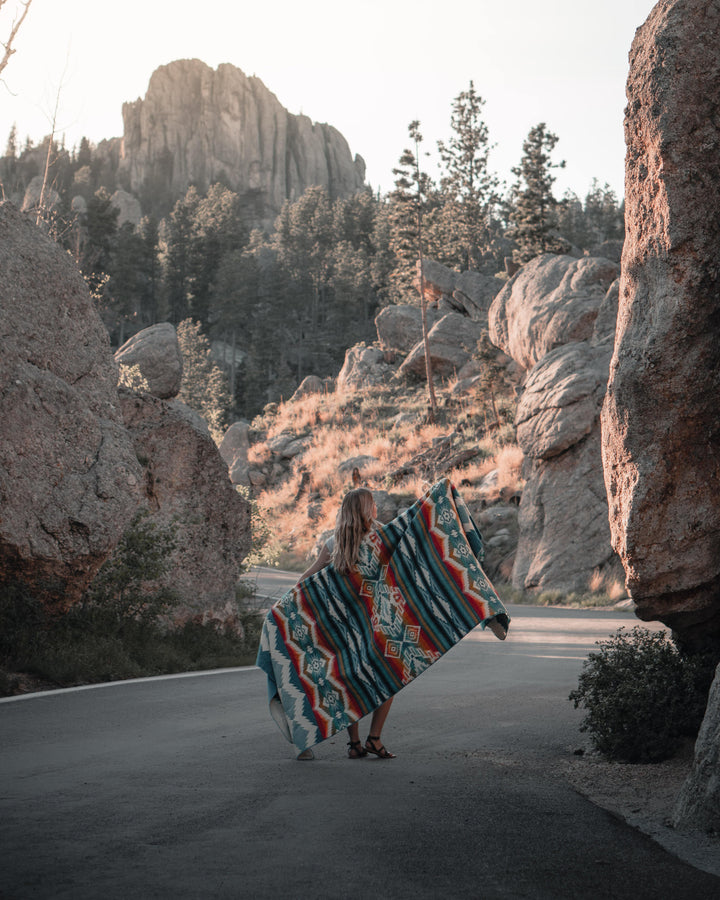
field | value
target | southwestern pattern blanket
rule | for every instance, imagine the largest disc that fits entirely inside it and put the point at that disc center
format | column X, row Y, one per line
column 337, row 646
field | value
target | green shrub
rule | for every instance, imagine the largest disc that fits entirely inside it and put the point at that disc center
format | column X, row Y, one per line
column 122, row 593
column 642, row 696
column 120, row 628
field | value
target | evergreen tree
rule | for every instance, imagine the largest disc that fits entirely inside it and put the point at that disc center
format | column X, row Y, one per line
column 409, row 204
column 9, row 166
column 124, row 285
column 410, row 199
column 96, row 235
column 469, row 190
column 176, row 246
column 304, row 240
column 600, row 218
column 11, row 146
column 605, row 217
column 149, row 271
column 218, row 228
column 84, row 154
column 532, row 209
column 203, row 386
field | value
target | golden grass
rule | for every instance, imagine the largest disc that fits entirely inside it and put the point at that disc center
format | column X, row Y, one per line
column 508, row 460
column 343, row 427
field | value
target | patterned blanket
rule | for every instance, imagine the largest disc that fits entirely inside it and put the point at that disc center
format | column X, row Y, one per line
column 337, row 646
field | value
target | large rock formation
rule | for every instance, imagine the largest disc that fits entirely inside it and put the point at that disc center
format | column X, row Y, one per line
column 186, row 485
column 156, row 352
column 469, row 293
column 551, row 301
column 452, row 342
column 69, row 477
column 698, row 805
column 661, row 426
column 197, row 125
column 556, row 317
column 234, row 449
column 400, row 327
column 363, row 367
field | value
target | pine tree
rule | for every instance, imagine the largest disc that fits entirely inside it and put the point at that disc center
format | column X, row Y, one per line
column 203, row 387
column 176, row 236
column 217, row 228
column 408, row 204
column 149, row 271
column 532, row 209
column 469, row 190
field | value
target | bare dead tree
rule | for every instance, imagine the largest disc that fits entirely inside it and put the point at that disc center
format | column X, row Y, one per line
column 14, row 28
column 417, row 138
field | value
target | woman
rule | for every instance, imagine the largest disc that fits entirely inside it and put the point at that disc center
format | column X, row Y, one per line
column 355, row 521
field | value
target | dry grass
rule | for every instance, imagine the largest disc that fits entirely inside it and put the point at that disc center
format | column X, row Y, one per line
column 509, row 459
column 343, row 427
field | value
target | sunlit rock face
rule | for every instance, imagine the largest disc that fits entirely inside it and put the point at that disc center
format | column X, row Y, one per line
column 556, row 319
column 661, row 419
column 69, row 476
column 198, row 126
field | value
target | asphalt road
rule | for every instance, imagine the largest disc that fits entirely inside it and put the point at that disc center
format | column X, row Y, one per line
column 184, row 788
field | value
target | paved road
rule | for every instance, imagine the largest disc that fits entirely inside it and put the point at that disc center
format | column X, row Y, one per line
column 184, row 788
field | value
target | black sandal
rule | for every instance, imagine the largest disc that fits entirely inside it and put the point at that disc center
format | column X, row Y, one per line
column 356, row 751
column 372, row 747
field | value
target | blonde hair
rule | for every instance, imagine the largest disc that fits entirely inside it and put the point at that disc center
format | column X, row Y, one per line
column 354, row 520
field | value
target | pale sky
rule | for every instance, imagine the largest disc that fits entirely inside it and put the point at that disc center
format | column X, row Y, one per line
column 367, row 68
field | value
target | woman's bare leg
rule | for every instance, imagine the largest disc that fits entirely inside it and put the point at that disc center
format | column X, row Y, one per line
column 378, row 718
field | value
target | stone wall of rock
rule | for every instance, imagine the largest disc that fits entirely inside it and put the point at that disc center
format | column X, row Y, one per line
column 77, row 460
column 551, row 301
column 197, row 125
column 69, row 476
column 698, row 805
column 661, row 426
column 186, row 484
column 556, row 319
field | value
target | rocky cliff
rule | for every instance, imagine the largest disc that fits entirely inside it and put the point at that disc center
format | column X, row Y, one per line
column 78, row 461
column 69, row 478
column 556, row 319
column 660, row 423
column 661, row 431
column 197, row 125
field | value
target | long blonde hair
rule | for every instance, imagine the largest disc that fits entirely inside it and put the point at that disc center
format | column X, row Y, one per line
column 354, row 521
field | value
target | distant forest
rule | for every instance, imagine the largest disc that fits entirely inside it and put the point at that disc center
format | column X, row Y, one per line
column 288, row 301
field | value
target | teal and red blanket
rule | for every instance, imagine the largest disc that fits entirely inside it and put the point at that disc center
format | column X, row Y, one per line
column 337, row 646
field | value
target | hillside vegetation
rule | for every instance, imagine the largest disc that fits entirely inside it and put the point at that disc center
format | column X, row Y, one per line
column 383, row 434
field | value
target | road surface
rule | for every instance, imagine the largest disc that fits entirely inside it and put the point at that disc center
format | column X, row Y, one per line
column 184, row 788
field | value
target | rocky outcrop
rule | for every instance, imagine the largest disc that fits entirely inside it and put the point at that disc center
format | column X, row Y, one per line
column 551, row 301
column 197, row 125
column 363, row 367
column 661, row 431
column 400, row 327
column 234, row 449
column 556, row 318
column 156, row 352
column 313, row 384
column 698, row 805
column 452, row 342
column 128, row 207
column 469, row 293
column 69, row 476
column 186, row 486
